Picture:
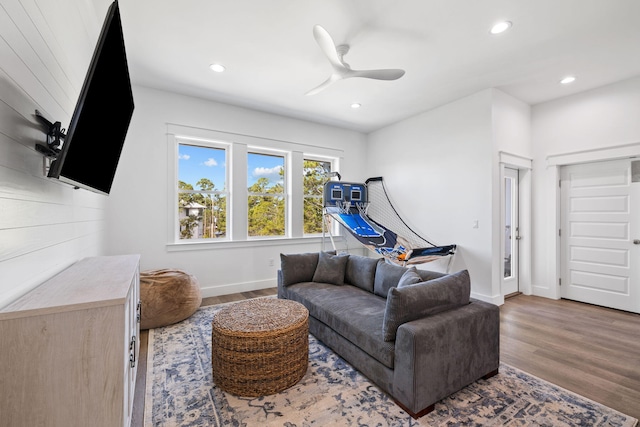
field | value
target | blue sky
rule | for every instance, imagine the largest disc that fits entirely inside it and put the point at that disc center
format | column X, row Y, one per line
column 201, row 162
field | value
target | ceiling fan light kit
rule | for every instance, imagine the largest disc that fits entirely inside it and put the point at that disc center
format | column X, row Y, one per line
column 342, row 70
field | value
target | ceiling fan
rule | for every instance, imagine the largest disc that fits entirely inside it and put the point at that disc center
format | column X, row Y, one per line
column 342, row 70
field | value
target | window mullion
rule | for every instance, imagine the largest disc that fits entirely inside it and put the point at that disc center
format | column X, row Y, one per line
column 238, row 187
column 296, row 195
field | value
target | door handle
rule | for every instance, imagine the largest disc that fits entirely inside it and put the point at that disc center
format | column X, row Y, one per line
column 636, row 241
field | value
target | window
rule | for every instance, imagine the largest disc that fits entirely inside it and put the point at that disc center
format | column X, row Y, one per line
column 202, row 192
column 266, row 195
column 231, row 188
column 315, row 174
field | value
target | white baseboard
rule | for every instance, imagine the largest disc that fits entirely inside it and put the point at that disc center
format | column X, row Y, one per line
column 234, row 288
column 496, row 299
column 544, row 291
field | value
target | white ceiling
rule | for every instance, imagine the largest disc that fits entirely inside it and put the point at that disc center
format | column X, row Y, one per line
column 272, row 58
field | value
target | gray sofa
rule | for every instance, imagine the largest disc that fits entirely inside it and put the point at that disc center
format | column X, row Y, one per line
column 414, row 333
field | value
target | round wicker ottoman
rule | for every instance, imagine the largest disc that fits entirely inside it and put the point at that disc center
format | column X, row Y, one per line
column 259, row 346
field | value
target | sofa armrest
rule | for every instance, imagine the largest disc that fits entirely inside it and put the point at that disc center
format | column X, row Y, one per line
column 440, row 354
column 281, row 289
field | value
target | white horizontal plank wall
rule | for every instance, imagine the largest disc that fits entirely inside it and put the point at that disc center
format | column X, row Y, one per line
column 45, row 226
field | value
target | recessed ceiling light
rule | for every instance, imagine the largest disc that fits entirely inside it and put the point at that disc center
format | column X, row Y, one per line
column 500, row 27
column 567, row 80
column 218, row 68
column 356, row 105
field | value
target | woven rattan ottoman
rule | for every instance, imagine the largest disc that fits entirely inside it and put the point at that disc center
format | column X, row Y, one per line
column 259, row 346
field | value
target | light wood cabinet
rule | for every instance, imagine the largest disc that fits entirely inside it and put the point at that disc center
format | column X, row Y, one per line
column 69, row 348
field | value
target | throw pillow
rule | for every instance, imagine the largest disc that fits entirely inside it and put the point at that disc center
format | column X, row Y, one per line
column 410, row 277
column 387, row 277
column 297, row 268
column 331, row 268
column 424, row 299
column 429, row 275
column 361, row 271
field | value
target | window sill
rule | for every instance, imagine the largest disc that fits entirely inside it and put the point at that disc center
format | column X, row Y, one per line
column 279, row 241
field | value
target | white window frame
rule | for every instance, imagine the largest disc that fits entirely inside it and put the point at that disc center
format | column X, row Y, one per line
column 333, row 162
column 214, row 145
column 285, row 187
column 236, row 185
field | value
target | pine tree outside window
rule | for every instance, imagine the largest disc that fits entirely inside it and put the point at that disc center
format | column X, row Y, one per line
column 226, row 189
column 315, row 175
column 202, row 192
column 266, row 195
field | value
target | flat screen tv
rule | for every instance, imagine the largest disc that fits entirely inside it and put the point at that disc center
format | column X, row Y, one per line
column 93, row 143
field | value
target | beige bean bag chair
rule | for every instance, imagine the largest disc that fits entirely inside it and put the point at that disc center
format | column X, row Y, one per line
column 167, row 296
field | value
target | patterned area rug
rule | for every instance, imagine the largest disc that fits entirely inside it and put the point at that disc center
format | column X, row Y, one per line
column 180, row 393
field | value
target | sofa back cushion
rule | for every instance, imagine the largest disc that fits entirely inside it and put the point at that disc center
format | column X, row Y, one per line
column 361, row 271
column 424, row 299
column 387, row 277
column 429, row 275
column 410, row 277
column 298, row 268
column 331, row 268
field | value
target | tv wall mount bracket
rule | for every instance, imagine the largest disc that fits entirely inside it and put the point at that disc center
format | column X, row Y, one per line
column 55, row 136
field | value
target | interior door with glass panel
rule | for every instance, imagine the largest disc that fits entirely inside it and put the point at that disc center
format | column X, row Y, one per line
column 510, row 232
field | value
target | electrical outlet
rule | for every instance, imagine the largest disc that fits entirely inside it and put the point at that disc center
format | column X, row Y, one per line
column 271, row 262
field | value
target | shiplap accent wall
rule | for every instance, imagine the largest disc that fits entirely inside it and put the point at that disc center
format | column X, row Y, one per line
column 45, row 226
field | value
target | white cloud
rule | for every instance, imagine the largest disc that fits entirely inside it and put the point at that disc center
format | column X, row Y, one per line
column 273, row 174
column 184, row 156
column 211, row 162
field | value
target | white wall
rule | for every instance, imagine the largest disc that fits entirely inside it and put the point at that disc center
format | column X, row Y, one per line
column 447, row 157
column 441, row 169
column 511, row 125
column 437, row 170
column 137, row 215
column 45, row 49
column 591, row 122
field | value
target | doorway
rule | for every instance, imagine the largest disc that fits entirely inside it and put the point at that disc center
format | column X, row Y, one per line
column 599, row 235
column 510, row 232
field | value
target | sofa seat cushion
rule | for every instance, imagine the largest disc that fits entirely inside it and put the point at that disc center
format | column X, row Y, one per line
column 354, row 313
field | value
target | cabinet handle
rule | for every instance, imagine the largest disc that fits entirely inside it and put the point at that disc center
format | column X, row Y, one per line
column 132, row 352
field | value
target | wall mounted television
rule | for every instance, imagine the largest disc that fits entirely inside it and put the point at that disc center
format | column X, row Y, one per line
column 94, row 139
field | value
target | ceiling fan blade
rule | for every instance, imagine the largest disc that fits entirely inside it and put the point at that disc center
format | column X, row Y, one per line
column 332, row 79
column 342, row 70
column 327, row 45
column 389, row 74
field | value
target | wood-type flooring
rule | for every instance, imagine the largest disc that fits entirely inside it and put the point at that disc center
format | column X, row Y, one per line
column 590, row 350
